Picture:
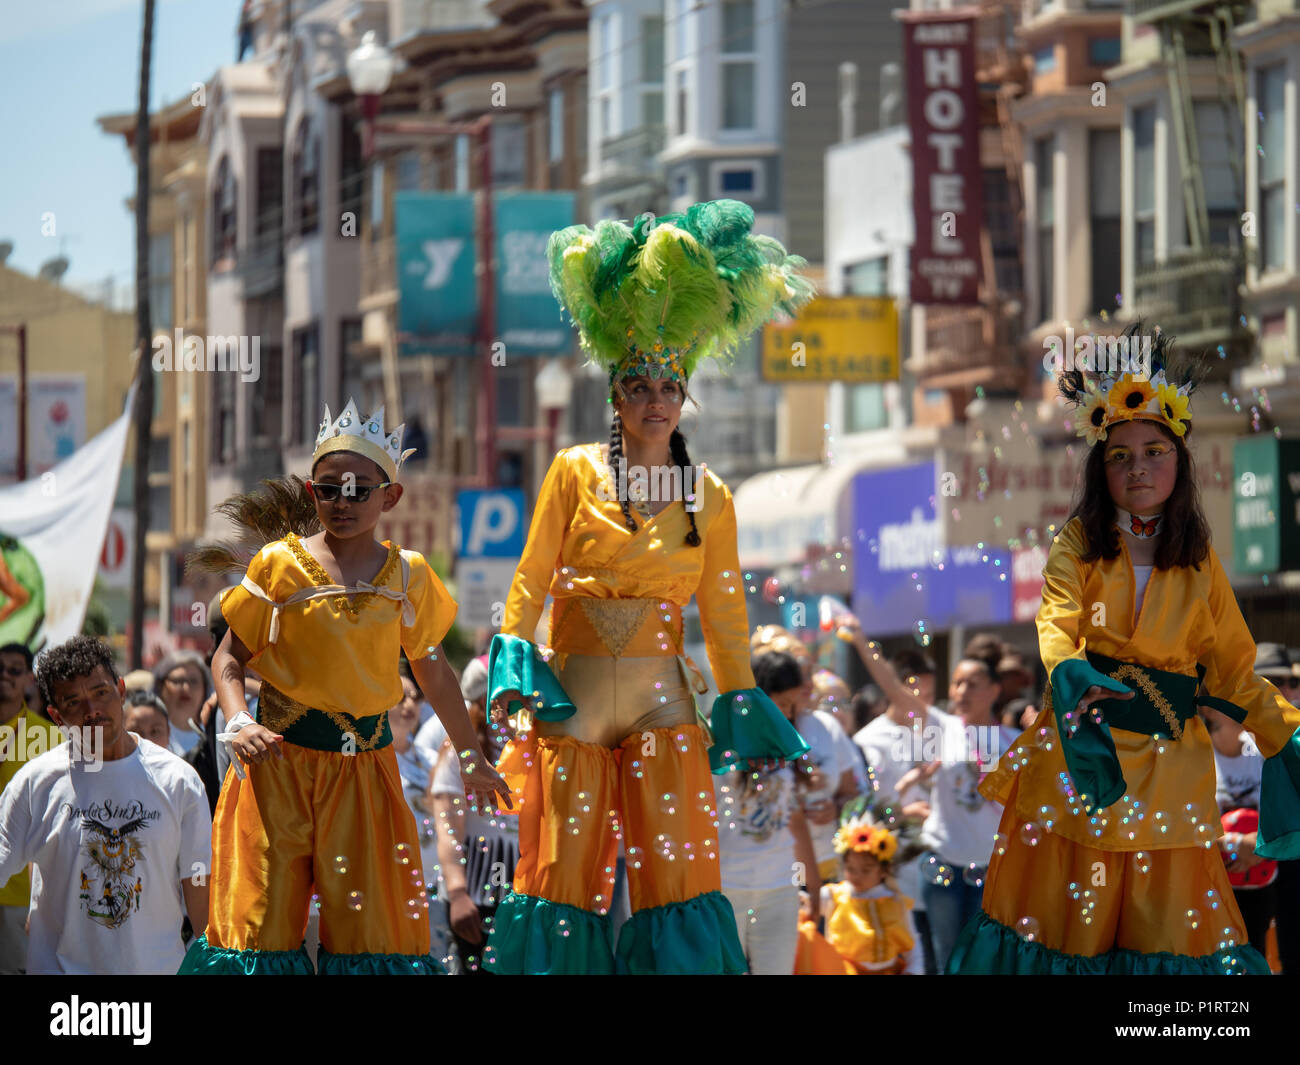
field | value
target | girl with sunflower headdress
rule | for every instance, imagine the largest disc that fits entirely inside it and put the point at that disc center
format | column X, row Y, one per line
column 1105, row 859
column 615, row 749
column 868, row 921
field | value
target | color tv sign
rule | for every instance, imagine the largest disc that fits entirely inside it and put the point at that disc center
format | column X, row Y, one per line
column 947, row 192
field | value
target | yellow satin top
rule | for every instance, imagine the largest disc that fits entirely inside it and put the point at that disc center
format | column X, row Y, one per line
column 337, row 652
column 580, row 546
column 1189, row 616
column 868, row 930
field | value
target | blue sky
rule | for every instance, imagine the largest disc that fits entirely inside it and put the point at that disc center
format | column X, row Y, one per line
column 64, row 63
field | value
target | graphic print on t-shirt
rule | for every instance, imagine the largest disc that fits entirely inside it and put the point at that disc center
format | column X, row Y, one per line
column 763, row 809
column 111, row 882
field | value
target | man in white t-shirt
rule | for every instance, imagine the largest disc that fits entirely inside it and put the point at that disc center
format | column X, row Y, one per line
column 118, row 831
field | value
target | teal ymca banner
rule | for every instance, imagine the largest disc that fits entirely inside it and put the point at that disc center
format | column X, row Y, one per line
column 436, row 250
column 528, row 318
column 438, row 296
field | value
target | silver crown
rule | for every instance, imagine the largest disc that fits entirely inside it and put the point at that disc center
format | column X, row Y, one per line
column 371, row 430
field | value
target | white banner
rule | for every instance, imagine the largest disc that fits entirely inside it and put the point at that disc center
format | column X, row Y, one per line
column 51, row 535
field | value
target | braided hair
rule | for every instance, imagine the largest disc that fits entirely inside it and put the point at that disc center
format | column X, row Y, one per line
column 677, row 444
column 680, row 457
column 615, row 454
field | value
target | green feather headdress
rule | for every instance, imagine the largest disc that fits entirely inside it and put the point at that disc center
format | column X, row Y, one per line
column 655, row 297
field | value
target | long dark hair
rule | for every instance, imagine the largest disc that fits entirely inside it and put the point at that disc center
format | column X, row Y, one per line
column 681, row 459
column 1185, row 535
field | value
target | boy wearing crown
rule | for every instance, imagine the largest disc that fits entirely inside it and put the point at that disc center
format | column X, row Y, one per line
column 312, row 806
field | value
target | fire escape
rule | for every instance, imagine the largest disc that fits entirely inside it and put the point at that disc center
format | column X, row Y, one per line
column 1196, row 291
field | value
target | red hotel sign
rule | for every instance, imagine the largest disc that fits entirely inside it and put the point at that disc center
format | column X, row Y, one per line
column 947, row 182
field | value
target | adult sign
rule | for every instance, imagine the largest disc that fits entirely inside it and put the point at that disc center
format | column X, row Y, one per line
column 947, row 192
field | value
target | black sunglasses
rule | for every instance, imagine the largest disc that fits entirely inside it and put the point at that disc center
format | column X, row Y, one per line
column 328, row 493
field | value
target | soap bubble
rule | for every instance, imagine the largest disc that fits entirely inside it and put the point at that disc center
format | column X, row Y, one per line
column 356, row 900
column 1027, row 928
column 340, row 864
column 1030, row 834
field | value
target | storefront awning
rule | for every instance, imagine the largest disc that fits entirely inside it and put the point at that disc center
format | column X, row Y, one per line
column 782, row 513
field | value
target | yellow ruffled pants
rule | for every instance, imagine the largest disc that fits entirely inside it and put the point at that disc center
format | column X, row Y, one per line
column 626, row 763
column 323, row 823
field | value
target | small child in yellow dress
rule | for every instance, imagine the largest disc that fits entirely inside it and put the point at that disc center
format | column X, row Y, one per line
column 868, row 921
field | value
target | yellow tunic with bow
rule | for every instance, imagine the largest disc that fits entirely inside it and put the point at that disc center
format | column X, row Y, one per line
column 328, row 818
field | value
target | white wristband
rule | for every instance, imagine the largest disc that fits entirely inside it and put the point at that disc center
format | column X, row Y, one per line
column 232, row 728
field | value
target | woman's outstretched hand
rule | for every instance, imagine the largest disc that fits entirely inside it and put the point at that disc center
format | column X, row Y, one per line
column 1095, row 694
column 256, row 743
column 503, row 700
column 483, row 783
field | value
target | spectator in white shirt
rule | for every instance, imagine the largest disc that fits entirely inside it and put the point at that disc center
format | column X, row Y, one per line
column 118, row 831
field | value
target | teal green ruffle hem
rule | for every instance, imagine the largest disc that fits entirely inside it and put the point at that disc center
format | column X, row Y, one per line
column 746, row 724
column 515, row 665
column 328, row 964
column 532, row 936
column 987, row 947
column 692, row 938
column 1279, row 804
column 204, row 960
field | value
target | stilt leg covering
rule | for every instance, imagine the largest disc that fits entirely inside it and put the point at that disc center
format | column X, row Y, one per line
column 534, row 936
column 378, row 964
column 681, row 922
column 691, row 938
column 203, row 959
column 986, row 946
column 555, row 921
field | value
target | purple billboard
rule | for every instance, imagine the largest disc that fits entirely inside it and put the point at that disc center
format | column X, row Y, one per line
column 906, row 579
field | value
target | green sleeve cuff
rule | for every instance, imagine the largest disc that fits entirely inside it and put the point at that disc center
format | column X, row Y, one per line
column 514, row 664
column 1279, row 804
column 1087, row 744
column 746, row 724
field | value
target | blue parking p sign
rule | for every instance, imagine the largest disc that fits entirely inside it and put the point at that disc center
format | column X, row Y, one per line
column 491, row 523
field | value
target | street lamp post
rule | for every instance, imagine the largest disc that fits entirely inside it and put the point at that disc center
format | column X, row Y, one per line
column 554, row 386
column 370, row 70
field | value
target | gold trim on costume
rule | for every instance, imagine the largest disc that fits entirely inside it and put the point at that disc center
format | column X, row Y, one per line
column 616, row 621
column 277, row 710
column 1128, row 671
column 354, row 602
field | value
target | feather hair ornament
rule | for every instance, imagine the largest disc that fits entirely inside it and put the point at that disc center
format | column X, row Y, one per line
column 656, row 296
column 260, row 517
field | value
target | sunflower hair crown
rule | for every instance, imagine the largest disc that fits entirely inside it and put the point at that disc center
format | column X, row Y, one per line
column 655, row 296
column 1155, row 388
column 368, row 437
column 861, row 837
